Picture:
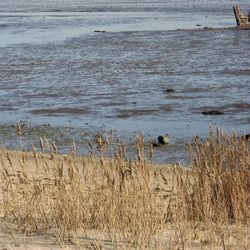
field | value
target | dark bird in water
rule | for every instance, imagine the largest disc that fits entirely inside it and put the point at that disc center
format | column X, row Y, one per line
column 163, row 139
column 169, row 90
column 213, row 112
column 245, row 137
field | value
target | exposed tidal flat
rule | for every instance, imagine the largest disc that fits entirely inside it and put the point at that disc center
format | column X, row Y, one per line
column 86, row 88
column 63, row 80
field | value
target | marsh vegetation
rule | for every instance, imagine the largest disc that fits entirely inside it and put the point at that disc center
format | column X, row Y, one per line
column 117, row 203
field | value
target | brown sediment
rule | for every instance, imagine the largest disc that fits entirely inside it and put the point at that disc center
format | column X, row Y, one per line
column 237, row 106
column 55, row 111
column 192, row 90
column 135, row 112
column 142, row 112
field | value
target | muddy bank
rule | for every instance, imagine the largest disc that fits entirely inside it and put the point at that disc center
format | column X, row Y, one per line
column 157, row 67
column 64, row 137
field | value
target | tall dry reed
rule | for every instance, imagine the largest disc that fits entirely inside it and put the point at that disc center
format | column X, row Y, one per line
column 219, row 187
column 132, row 201
column 70, row 194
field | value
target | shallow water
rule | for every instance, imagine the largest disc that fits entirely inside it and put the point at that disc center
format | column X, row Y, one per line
column 55, row 69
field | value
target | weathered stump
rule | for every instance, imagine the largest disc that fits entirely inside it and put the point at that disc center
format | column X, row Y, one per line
column 242, row 20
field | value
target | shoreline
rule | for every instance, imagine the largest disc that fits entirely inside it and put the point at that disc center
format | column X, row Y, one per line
column 64, row 137
column 38, row 186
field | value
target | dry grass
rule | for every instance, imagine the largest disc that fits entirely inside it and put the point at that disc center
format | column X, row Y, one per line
column 221, row 185
column 217, row 187
column 130, row 204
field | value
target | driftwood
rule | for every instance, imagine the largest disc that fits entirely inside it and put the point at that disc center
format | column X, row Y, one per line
column 242, row 20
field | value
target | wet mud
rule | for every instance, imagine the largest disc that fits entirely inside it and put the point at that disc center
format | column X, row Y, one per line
column 158, row 66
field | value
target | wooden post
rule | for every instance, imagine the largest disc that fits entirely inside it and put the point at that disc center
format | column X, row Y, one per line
column 242, row 20
column 237, row 15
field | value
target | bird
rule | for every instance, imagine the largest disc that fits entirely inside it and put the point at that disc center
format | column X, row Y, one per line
column 245, row 137
column 163, row 139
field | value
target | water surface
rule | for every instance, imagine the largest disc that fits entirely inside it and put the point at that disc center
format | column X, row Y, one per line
column 56, row 69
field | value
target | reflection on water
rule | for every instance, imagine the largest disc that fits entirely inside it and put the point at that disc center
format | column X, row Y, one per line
column 56, row 70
